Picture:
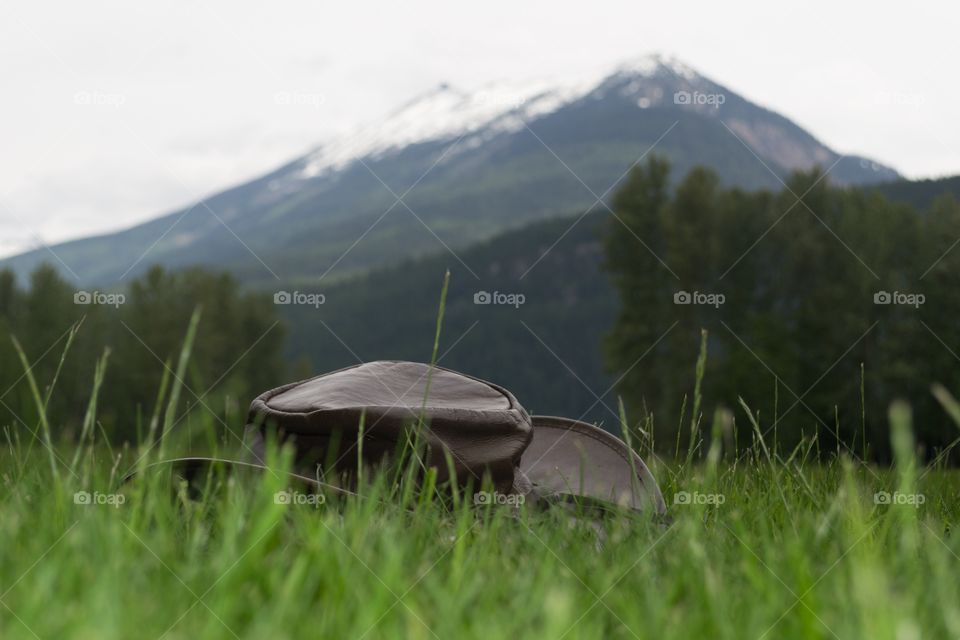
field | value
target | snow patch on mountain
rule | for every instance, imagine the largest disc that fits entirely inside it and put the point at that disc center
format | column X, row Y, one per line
column 653, row 64
column 447, row 113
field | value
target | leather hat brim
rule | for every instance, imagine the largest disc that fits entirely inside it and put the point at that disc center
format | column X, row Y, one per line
column 195, row 469
column 569, row 458
column 565, row 458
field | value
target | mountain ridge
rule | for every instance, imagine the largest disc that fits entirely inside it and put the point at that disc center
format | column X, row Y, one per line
column 451, row 168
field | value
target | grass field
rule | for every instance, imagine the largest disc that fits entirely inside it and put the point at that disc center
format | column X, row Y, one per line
column 759, row 543
column 758, row 547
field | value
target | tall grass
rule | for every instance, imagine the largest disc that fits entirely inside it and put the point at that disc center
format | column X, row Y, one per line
column 814, row 557
column 763, row 543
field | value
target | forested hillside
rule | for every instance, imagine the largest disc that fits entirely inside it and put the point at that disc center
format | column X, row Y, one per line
column 797, row 318
column 795, row 295
column 546, row 350
column 922, row 194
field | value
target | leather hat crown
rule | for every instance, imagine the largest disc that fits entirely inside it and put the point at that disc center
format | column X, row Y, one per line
column 479, row 426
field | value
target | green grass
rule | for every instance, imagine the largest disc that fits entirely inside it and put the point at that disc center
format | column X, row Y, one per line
column 770, row 544
column 794, row 550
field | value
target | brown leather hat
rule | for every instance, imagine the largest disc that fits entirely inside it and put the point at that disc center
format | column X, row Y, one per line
column 482, row 427
column 572, row 458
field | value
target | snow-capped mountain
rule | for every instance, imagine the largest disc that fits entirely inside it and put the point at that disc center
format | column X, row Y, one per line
column 445, row 112
column 502, row 107
column 467, row 165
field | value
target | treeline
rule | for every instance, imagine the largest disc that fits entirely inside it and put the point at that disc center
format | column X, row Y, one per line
column 236, row 353
column 798, row 271
column 922, row 194
column 797, row 289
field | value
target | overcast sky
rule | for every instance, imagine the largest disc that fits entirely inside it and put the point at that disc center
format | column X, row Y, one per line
column 115, row 112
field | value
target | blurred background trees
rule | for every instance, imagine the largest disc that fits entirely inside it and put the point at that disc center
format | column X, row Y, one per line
column 799, row 271
column 236, row 353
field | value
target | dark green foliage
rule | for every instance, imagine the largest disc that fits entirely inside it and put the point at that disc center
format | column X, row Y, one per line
column 798, row 319
column 799, row 270
column 237, row 352
column 922, row 194
column 389, row 313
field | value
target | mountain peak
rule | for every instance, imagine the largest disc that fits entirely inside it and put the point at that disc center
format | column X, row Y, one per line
column 499, row 145
column 653, row 63
column 445, row 111
column 444, row 114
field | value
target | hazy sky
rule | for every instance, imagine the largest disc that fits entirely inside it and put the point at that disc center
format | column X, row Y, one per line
column 114, row 112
